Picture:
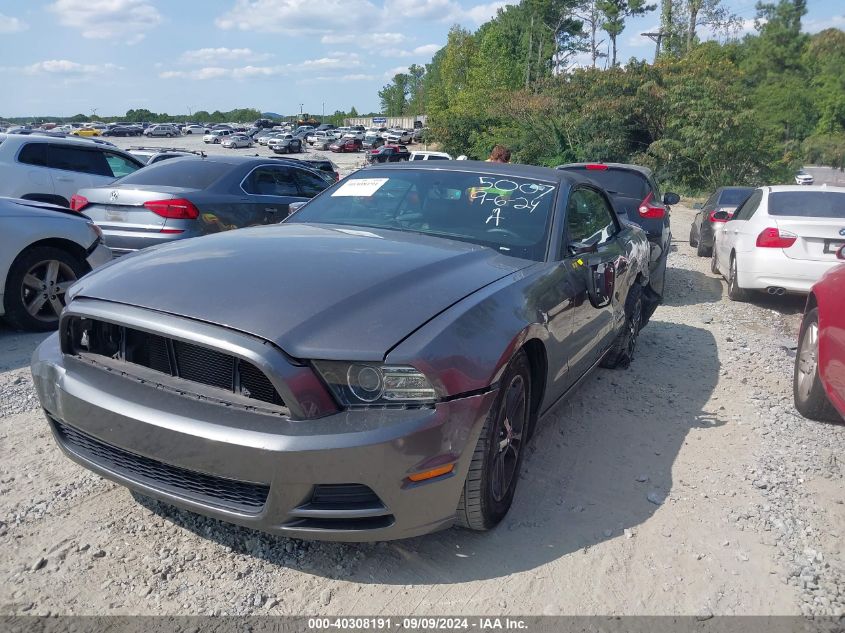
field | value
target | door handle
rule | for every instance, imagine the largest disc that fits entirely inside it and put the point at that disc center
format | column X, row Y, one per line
column 59, row 178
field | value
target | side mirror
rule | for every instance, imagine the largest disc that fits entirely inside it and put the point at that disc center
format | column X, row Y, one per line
column 698, row 205
column 671, row 198
column 579, row 248
column 721, row 216
column 840, row 254
column 293, row 207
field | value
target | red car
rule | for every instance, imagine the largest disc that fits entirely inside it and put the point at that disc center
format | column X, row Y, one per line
column 819, row 379
column 347, row 145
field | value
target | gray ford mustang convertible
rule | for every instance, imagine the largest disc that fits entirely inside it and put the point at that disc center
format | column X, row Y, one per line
column 369, row 369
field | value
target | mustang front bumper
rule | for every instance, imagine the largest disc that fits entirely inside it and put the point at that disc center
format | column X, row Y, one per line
column 342, row 477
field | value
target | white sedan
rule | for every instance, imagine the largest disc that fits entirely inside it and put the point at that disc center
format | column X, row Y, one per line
column 782, row 239
column 195, row 129
column 237, row 140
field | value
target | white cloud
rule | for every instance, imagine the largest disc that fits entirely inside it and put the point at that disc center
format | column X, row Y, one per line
column 217, row 55
column 66, row 67
column 9, row 24
column 334, row 19
column 342, row 78
column 390, row 74
column 480, row 13
column 420, row 9
column 372, row 40
column 350, row 61
column 108, row 19
column 814, row 26
column 297, row 17
column 427, row 50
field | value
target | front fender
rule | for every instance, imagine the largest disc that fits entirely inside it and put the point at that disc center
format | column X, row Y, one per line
column 467, row 347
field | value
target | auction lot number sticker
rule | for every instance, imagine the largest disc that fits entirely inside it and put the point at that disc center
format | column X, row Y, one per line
column 360, row 187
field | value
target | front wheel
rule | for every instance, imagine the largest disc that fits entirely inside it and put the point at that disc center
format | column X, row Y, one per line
column 494, row 471
column 807, row 389
column 622, row 351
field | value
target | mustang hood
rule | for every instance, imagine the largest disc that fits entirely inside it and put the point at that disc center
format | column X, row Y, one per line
column 316, row 291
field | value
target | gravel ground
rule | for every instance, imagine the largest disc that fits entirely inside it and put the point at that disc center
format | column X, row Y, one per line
column 684, row 485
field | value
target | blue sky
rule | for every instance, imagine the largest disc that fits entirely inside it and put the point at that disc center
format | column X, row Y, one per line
column 62, row 57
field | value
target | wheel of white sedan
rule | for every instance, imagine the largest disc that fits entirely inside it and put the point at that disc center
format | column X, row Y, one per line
column 735, row 291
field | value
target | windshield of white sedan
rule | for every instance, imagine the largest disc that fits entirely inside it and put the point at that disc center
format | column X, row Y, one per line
column 508, row 213
column 808, row 204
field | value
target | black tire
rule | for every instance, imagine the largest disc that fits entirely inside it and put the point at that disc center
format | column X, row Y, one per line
column 692, row 241
column 485, row 500
column 702, row 250
column 21, row 295
column 622, row 351
column 714, row 264
column 807, row 389
column 735, row 291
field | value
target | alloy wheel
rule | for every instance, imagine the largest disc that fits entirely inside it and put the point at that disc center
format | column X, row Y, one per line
column 808, row 359
column 44, row 287
column 505, row 462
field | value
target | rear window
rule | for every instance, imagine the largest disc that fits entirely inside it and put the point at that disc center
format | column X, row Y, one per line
column 190, row 173
column 617, row 182
column 734, row 197
column 808, row 204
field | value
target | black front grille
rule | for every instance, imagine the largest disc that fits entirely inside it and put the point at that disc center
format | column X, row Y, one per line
column 229, row 494
column 176, row 358
column 344, row 497
column 204, row 365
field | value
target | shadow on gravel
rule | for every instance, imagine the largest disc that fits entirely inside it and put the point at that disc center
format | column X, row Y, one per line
column 785, row 305
column 599, row 465
column 689, row 287
column 16, row 347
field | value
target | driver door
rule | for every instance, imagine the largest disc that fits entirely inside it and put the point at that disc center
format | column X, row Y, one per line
column 591, row 251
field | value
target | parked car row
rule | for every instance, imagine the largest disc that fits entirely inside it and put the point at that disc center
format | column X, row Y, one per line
column 787, row 239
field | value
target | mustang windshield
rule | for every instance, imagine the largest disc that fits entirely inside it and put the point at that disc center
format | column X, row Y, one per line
column 511, row 214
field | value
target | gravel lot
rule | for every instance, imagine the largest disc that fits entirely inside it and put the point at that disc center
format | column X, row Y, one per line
column 685, row 485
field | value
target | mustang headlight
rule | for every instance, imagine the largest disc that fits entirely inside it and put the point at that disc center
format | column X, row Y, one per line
column 374, row 384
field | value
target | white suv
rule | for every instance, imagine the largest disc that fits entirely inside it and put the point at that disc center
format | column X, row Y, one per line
column 215, row 136
column 53, row 169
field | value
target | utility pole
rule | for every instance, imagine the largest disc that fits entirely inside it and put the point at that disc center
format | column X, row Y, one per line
column 324, row 110
column 657, row 38
column 300, row 108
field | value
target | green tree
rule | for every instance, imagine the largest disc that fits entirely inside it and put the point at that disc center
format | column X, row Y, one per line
column 614, row 13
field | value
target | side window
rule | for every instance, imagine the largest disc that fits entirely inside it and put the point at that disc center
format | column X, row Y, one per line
column 749, row 206
column 310, row 184
column 589, row 219
column 119, row 166
column 271, row 181
column 80, row 160
column 34, row 154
